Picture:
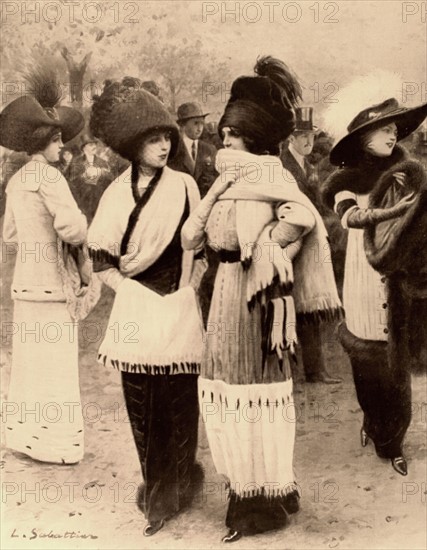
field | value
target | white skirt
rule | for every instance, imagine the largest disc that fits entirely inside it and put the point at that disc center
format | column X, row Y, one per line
column 251, row 434
column 43, row 412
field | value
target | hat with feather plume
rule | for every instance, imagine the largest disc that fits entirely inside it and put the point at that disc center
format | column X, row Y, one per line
column 36, row 109
column 262, row 107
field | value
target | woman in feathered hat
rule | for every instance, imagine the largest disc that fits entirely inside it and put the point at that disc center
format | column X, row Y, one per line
column 156, row 332
column 380, row 195
column 40, row 216
column 265, row 232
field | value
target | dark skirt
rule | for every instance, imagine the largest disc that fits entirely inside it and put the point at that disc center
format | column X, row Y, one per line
column 383, row 390
column 163, row 412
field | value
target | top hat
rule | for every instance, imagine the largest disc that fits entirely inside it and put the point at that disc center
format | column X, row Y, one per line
column 406, row 120
column 189, row 110
column 24, row 115
column 304, row 120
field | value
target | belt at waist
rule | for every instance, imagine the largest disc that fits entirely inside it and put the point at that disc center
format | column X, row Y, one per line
column 228, row 256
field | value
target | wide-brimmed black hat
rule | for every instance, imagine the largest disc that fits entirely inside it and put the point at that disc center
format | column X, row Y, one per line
column 24, row 115
column 406, row 120
column 125, row 112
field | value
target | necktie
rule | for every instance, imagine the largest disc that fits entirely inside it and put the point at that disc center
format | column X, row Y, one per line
column 193, row 151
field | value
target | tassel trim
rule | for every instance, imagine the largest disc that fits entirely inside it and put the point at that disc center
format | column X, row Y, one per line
column 266, row 491
column 260, row 402
column 145, row 368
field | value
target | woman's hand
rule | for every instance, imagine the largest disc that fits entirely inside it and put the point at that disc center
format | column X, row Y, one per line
column 220, row 185
column 404, row 204
column 400, row 177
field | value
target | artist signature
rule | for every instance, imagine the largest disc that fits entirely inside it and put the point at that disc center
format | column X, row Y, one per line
column 39, row 534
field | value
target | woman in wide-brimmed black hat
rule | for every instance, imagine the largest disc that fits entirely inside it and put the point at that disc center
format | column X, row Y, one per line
column 135, row 243
column 41, row 215
column 380, row 196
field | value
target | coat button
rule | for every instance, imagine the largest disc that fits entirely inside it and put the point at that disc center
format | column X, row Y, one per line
column 383, row 279
column 386, row 331
column 384, row 306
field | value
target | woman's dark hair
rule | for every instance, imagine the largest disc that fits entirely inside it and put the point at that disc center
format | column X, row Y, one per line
column 136, row 145
column 40, row 139
column 252, row 145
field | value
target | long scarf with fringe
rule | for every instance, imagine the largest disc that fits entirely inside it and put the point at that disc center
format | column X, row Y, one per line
column 260, row 181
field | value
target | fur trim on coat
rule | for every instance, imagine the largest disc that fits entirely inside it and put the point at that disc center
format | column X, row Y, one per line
column 360, row 180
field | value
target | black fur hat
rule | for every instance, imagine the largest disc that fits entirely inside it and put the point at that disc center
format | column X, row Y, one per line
column 262, row 106
column 125, row 112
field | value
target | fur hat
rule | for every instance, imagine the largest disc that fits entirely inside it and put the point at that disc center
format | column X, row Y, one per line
column 406, row 120
column 262, row 106
column 125, row 112
column 24, row 116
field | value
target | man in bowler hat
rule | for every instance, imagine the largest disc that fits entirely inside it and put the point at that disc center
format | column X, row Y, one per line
column 294, row 159
column 194, row 156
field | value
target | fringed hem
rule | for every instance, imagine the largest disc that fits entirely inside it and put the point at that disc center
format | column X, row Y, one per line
column 320, row 316
column 262, row 491
column 144, row 368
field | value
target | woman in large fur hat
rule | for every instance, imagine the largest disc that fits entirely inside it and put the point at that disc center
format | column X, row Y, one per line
column 41, row 215
column 265, row 232
column 156, row 332
column 380, row 195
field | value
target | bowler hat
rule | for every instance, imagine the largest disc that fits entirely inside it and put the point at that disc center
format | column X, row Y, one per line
column 304, row 120
column 24, row 115
column 407, row 121
column 190, row 110
column 87, row 138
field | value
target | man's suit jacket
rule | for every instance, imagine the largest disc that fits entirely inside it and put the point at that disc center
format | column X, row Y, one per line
column 203, row 170
column 302, row 178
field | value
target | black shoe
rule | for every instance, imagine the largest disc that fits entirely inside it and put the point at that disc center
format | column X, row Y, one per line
column 400, row 465
column 232, row 536
column 322, row 377
column 363, row 437
column 152, row 528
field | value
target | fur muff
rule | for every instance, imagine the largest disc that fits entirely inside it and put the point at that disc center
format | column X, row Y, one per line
column 393, row 245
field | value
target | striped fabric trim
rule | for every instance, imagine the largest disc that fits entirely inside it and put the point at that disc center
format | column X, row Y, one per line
column 139, row 368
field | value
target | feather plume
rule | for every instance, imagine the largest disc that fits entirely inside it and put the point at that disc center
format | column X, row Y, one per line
column 361, row 93
column 44, row 85
column 278, row 72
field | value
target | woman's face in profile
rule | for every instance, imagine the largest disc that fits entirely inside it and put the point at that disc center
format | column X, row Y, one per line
column 155, row 150
column 232, row 139
column 51, row 152
column 381, row 142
